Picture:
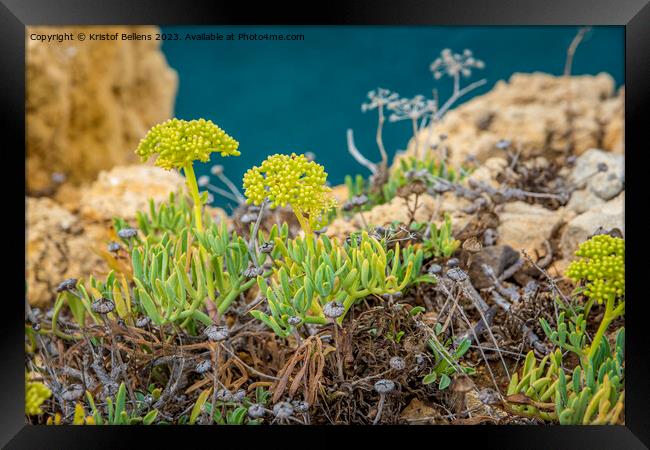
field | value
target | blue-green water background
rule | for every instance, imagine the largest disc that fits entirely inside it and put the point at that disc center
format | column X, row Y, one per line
column 300, row 96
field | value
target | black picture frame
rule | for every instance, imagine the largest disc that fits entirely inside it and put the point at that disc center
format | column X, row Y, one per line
column 634, row 15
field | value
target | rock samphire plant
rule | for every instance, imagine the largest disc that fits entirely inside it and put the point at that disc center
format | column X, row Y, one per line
column 314, row 275
column 178, row 143
column 594, row 391
column 291, row 180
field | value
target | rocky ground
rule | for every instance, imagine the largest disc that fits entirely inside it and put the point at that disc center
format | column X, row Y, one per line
column 547, row 174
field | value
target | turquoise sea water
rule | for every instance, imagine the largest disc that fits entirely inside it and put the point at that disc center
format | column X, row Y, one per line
column 300, row 96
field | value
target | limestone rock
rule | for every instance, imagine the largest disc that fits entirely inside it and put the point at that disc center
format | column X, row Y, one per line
column 89, row 103
column 340, row 193
column 418, row 413
column 61, row 244
column 604, row 184
column 498, row 257
column 583, row 200
column 525, row 227
column 124, row 190
column 398, row 210
column 57, row 246
column 488, row 171
column 610, row 215
column 530, row 110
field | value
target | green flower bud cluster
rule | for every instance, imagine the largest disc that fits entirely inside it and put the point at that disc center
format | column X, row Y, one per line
column 179, row 142
column 602, row 266
column 35, row 394
column 291, row 180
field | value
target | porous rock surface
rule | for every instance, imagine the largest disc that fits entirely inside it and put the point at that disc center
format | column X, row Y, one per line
column 530, row 110
column 89, row 103
column 64, row 241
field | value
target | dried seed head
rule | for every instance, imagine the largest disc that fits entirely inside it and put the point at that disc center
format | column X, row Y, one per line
column 397, row 363
column 248, row 218
column 310, row 156
column 490, row 237
column 349, row 240
column 294, row 320
column 300, row 405
column 489, row 396
column 58, row 177
column 472, row 245
column 72, row 392
column 333, row 309
column 203, row 366
column 256, row 410
column 67, row 285
column 252, row 272
column 217, row 169
column 453, row 262
column 320, row 231
column 441, row 186
column 143, row 321
column 384, row 386
column 283, row 410
column 267, row 247
column 216, row 333
column 348, row 206
column 127, row 233
column 224, row 395
column 435, row 268
column 114, row 247
column 239, row 396
column 457, row 274
column 461, row 383
column 103, row 305
column 203, row 181
column 359, row 200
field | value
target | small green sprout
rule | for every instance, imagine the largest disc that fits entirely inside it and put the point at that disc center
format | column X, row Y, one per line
column 437, row 241
column 446, row 360
column 116, row 411
column 292, row 180
column 178, row 143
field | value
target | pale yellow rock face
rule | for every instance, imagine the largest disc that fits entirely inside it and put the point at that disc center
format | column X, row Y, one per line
column 89, row 103
column 397, row 210
column 525, row 227
column 531, row 111
column 64, row 241
column 125, row 190
column 57, row 246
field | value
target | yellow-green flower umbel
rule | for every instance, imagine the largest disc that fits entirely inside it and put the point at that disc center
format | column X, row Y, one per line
column 178, row 143
column 601, row 266
column 35, row 394
column 292, row 180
